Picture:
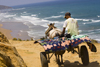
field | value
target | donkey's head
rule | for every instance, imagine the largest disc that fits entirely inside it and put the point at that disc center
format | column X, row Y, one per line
column 51, row 26
column 52, row 31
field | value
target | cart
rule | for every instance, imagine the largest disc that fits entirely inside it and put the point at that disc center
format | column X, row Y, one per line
column 58, row 47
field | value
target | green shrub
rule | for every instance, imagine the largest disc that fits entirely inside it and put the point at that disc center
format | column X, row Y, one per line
column 14, row 38
column 27, row 40
column 31, row 39
column 19, row 39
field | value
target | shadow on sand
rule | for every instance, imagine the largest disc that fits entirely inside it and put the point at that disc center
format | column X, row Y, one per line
column 77, row 64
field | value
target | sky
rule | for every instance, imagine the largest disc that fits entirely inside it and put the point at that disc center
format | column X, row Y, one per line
column 20, row 2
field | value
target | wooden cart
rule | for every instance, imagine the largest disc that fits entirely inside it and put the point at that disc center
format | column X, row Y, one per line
column 81, row 51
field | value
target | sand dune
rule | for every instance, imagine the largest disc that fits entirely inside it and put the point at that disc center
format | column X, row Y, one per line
column 31, row 55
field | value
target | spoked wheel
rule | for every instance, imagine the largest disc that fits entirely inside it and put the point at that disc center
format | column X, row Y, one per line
column 84, row 55
column 44, row 62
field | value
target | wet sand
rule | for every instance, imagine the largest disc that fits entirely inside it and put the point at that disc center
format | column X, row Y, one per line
column 15, row 30
column 20, row 30
column 6, row 32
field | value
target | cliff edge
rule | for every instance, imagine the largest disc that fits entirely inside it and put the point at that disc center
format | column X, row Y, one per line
column 9, row 56
column 4, row 7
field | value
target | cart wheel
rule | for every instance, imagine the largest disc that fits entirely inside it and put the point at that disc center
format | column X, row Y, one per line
column 84, row 55
column 44, row 62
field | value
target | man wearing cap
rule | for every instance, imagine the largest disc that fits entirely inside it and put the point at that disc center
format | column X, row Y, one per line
column 71, row 25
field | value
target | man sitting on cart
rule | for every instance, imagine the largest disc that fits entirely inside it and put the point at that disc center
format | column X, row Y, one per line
column 71, row 25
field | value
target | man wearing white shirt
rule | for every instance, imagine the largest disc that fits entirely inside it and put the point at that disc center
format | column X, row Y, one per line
column 71, row 25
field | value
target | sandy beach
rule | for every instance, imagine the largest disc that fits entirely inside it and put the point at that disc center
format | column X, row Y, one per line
column 13, row 30
column 22, row 31
column 6, row 32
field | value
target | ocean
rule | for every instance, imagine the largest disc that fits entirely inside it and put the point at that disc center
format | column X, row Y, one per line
column 36, row 16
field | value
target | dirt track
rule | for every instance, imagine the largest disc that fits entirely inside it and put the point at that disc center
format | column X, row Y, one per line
column 31, row 55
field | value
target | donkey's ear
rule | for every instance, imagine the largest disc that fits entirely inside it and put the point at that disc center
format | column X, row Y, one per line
column 48, row 24
column 53, row 23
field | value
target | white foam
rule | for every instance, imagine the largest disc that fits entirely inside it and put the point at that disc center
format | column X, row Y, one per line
column 92, row 21
column 80, row 31
column 8, row 16
column 54, row 17
column 21, row 31
column 33, row 20
column 19, row 9
column 33, row 34
column 95, row 20
column 98, row 16
column 84, row 23
column 62, row 12
column 24, row 12
column 84, row 19
column 44, row 20
column 98, row 40
column 34, row 15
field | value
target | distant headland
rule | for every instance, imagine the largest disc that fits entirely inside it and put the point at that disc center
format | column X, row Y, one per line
column 4, row 7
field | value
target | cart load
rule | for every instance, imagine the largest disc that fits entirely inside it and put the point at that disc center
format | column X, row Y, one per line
column 64, row 43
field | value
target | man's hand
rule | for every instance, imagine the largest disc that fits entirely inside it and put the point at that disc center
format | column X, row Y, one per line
column 62, row 35
column 63, row 32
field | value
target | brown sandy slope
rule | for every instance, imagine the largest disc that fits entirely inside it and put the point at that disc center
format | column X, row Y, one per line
column 31, row 55
column 9, row 56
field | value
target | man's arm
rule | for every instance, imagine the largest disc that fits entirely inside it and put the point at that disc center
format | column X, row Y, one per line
column 77, row 27
column 64, row 28
column 63, row 32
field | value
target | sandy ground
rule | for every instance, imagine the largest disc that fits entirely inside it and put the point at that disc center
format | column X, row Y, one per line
column 31, row 55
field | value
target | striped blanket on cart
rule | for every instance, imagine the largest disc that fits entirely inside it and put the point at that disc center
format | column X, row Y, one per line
column 63, row 43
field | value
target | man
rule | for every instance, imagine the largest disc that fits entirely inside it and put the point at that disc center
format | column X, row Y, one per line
column 71, row 25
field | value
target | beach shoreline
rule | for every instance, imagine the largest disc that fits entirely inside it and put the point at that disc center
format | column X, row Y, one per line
column 11, row 30
column 6, row 32
column 23, row 31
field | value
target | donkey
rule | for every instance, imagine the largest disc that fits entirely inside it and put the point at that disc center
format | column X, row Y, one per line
column 52, row 31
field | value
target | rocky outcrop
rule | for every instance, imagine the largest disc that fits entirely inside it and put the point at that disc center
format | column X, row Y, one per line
column 4, row 7
column 9, row 56
column 3, row 38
